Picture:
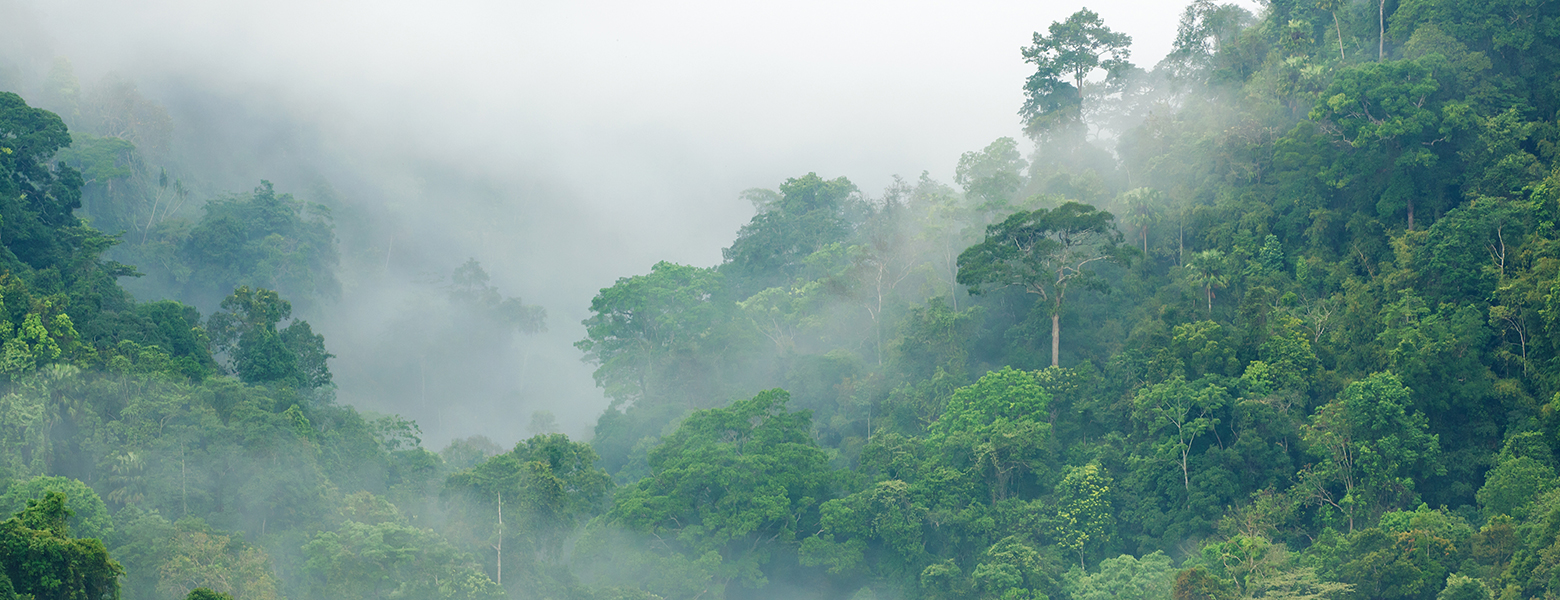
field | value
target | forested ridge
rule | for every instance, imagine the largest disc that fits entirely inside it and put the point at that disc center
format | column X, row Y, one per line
column 1278, row 317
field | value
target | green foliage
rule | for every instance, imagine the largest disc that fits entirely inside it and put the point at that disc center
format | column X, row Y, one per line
column 1179, row 412
column 1084, row 513
column 733, row 489
column 1062, row 60
column 1013, row 570
column 257, row 351
column 1149, row 578
column 1044, row 251
column 646, row 328
column 42, row 560
column 1198, row 584
column 89, row 517
column 1370, row 445
column 1463, row 587
column 808, row 214
column 998, row 427
column 36, row 196
column 205, row 594
column 392, row 560
column 261, row 240
column 1346, row 303
column 992, row 177
column 532, row 497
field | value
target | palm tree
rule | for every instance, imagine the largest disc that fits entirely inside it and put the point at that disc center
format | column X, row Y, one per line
column 1207, row 269
column 1142, row 210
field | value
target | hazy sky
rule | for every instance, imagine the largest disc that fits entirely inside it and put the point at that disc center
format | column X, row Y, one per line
column 615, row 134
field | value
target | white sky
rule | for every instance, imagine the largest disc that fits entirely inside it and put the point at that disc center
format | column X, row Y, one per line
column 739, row 93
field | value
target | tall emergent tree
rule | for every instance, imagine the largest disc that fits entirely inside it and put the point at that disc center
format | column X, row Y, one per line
column 1046, row 252
column 1053, row 95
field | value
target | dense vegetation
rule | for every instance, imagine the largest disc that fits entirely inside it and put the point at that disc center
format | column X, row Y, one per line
column 1278, row 318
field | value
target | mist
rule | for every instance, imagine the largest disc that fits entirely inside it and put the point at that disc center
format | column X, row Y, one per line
column 608, row 301
column 561, row 145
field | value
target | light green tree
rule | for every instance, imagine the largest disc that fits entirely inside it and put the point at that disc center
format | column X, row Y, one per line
column 1208, row 270
column 1084, row 514
column 1125, row 577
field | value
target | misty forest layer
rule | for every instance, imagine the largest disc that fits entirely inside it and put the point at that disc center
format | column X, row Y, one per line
column 1276, row 318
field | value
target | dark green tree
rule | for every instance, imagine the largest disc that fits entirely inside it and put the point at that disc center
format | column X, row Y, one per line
column 247, row 335
column 1075, row 48
column 810, row 212
column 37, row 197
column 43, row 560
column 1372, row 447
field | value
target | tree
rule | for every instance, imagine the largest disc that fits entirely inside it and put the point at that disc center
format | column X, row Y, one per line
column 548, row 485
column 1045, row 252
column 89, row 517
column 1183, row 410
column 887, row 517
column 264, row 240
column 732, row 487
column 469, row 287
column 659, row 337
column 257, row 351
column 1391, row 114
column 1372, row 446
column 1143, row 210
column 41, row 558
column 1012, row 569
column 37, row 197
column 200, row 557
column 808, row 214
column 1208, row 270
column 992, row 176
column 1084, row 513
column 1332, row 6
column 1074, row 49
column 998, row 426
column 1198, row 584
column 1206, row 30
column 1125, row 577
column 393, row 560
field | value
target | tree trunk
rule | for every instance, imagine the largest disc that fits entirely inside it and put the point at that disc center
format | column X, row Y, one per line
column 1411, row 212
column 1339, row 27
column 500, row 546
column 1381, row 39
column 1186, row 474
column 1056, row 339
